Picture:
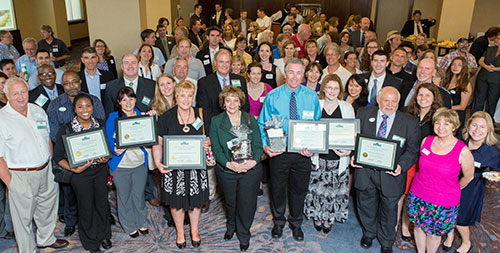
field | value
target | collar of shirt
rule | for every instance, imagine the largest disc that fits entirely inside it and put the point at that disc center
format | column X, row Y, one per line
column 221, row 79
column 135, row 82
column 390, row 120
column 410, row 94
column 380, row 81
column 212, row 52
column 97, row 73
column 48, row 91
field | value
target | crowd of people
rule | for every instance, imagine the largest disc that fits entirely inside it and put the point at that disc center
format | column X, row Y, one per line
column 225, row 72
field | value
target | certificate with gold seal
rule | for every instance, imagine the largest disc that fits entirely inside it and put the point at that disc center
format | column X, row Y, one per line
column 85, row 146
column 183, row 152
column 135, row 131
column 376, row 153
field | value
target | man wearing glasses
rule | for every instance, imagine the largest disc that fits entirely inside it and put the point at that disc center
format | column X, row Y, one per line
column 49, row 90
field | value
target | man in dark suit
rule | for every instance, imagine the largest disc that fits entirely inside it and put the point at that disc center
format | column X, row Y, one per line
column 93, row 80
column 378, row 191
column 206, row 55
column 218, row 18
column 144, row 88
column 417, row 25
column 357, row 38
column 49, row 90
column 378, row 77
column 163, row 42
column 195, row 33
column 398, row 60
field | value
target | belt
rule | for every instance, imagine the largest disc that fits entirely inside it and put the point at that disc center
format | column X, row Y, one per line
column 31, row 169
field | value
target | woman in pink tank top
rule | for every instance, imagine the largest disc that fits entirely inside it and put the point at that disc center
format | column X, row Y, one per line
column 435, row 192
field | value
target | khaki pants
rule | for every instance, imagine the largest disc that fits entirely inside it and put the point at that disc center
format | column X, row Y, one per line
column 33, row 195
column 212, row 182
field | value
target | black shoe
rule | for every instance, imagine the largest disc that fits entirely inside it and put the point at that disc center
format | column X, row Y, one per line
column 69, row 230
column 406, row 238
column 196, row 244
column 327, row 230
column 9, row 235
column 260, row 193
column 228, row 236
column 181, row 245
column 244, row 247
column 366, row 242
column 95, row 250
column 112, row 220
column 297, row 233
column 170, row 223
column 446, row 248
column 135, row 234
column 318, row 228
column 205, row 207
column 277, row 231
column 386, row 250
column 61, row 218
column 106, row 244
column 144, row 232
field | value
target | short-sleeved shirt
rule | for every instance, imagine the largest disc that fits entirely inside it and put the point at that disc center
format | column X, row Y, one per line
column 446, row 61
column 25, row 62
column 265, row 21
column 8, row 52
column 57, row 48
column 24, row 141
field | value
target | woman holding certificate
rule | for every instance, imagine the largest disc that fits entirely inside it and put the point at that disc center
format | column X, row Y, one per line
column 237, row 171
column 88, row 180
column 129, row 170
column 328, row 197
column 184, row 190
column 434, row 196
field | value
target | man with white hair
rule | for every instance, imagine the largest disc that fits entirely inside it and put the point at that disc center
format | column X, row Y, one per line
column 25, row 167
column 27, row 63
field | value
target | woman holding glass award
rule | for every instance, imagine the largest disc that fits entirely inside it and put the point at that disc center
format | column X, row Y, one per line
column 183, row 189
column 237, row 147
column 88, row 180
column 129, row 170
column 327, row 199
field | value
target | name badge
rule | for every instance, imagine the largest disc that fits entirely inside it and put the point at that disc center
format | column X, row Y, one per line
column 308, row 115
column 103, row 86
column 206, row 62
column 236, row 83
column 206, row 56
column 197, row 123
column 298, row 49
column 146, row 100
column 425, row 151
column 371, row 120
column 41, row 100
column 273, row 133
column 269, row 76
column 477, row 164
column 261, row 99
column 112, row 61
column 400, row 139
column 55, row 49
column 41, row 124
column 62, row 109
column 453, row 91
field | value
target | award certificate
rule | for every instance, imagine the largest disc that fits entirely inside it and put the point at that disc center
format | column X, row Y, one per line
column 376, row 152
column 86, row 145
column 312, row 135
column 135, row 131
column 342, row 133
column 184, row 152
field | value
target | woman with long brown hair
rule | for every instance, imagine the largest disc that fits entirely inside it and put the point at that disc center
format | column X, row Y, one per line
column 370, row 47
column 458, row 84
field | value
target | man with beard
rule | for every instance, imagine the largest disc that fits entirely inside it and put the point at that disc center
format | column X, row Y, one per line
column 462, row 50
column 44, row 94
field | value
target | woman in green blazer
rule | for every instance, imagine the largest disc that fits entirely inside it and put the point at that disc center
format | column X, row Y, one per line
column 239, row 180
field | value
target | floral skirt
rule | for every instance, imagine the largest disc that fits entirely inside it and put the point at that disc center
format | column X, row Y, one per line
column 433, row 219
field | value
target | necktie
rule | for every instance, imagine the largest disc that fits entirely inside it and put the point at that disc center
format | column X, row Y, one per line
column 293, row 107
column 224, row 82
column 419, row 29
column 52, row 94
column 373, row 95
column 362, row 39
column 217, row 18
column 382, row 130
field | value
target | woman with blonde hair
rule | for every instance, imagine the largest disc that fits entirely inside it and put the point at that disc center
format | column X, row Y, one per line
column 237, row 65
column 287, row 52
column 228, row 36
column 253, row 32
column 164, row 94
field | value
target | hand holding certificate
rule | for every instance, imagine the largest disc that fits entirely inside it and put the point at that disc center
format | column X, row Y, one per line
column 184, row 152
column 376, row 153
column 135, row 131
column 84, row 146
column 342, row 133
column 310, row 135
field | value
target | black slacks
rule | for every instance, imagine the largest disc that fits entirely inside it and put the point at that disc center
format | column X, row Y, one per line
column 70, row 209
column 487, row 93
column 289, row 173
column 93, row 206
column 240, row 198
column 378, row 213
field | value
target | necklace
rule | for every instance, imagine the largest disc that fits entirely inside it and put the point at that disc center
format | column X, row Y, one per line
column 185, row 129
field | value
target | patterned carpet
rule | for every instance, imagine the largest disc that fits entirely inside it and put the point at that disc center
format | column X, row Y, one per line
column 343, row 237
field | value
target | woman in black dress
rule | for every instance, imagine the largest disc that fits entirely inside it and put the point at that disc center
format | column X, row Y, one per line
column 271, row 73
column 458, row 84
column 183, row 189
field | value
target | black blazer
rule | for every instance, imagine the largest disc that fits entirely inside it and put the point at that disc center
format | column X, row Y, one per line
column 193, row 39
column 404, row 126
column 145, row 94
column 106, row 76
column 165, row 51
column 355, row 39
column 213, row 19
column 40, row 91
column 204, row 56
column 207, row 96
column 389, row 80
column 409, row 26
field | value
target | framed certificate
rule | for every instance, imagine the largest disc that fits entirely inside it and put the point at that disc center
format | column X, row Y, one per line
column 312, row 135
column 183, row 152
column 377, row 153
column 342, row 133
column 135, row 131
column 86, row 145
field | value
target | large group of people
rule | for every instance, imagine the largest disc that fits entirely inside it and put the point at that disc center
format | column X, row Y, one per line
column 222, row 73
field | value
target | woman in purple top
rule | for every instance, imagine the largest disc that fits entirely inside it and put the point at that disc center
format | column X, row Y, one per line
column 435, row 192
column 257, row 90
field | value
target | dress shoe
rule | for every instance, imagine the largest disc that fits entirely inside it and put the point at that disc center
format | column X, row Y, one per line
column 196, row 244
column 366, row 242
column 205, row 207
column 181, row 245
column 260, row 193
column 106, row 244
column 228, row 236
column 95, row 250
column 170, row 223
column 327, row 230
column 386, row 250
column 154, row 202
column 406, row 238
column 9, row 236
column 317, row 227
column 144, row 231
column 244, row 247
column 446, row 248
column 112, row 220
column 69, row 230
column 61, row 218
column 135, row 234
column 297, row 233
column 58, row 244
column 277, row 231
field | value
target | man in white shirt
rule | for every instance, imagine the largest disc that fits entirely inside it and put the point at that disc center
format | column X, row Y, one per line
column 332, row 55
column 25, row 167
column 263, row 21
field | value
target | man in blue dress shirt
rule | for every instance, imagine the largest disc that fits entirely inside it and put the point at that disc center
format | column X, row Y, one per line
column 27, row 61
column 289, row 101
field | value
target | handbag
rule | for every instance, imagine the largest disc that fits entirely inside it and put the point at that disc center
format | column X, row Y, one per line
column 61, row 175
column 210, row 155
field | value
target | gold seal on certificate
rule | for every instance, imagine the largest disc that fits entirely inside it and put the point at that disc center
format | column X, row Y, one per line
column 342, row 133
column 135, row 131
column 184, row 152
column 312, row 135
column 377, row 153
column 85, row 146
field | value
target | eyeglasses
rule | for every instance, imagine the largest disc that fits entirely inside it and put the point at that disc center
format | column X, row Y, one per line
column 46, row 74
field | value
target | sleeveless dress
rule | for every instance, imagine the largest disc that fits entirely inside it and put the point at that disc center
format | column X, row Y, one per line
column 269, row 77
column 456, row 97
column 435, row 192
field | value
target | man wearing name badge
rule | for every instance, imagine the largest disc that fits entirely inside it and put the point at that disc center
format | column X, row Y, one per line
column 207, row 97
column 93, row 80
column 144, row 88
column 43, row 57
column 49, row 90
column 206, row 55
column 378, row 191
column 25, row 152
column 59, row 51
column 378, row 77
column 290, row 172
